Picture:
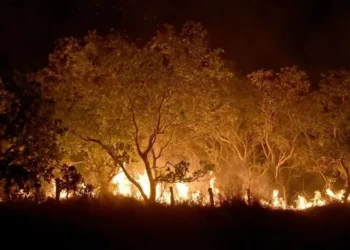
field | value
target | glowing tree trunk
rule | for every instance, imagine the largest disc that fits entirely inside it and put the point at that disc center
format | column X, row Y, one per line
column 347, row 180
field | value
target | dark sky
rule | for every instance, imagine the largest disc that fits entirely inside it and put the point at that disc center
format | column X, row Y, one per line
column 254, row 33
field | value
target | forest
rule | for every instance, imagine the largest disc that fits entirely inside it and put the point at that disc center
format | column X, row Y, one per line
column 168, row 118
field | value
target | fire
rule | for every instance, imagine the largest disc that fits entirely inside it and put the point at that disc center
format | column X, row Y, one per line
column 123, row 186
column 182, row 190
column 277, row 202
column 302, row 203
column 339, row 196
column 212, row 182
column 63, row 193
column 318, row 201
column 195, row 196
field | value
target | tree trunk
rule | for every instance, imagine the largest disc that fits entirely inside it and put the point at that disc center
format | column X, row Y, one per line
column 152, row 183
column 347, row 181
column 285, row 197
column 347, row 190
column 37, row 194
column 58, row 189
column 277, row 181
column 130, row 178
column 249, row 199
column 172, row 200
column 211, row 196
column 104, row 190
column 153, row 191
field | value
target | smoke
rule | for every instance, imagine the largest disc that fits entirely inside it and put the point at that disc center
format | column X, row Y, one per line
column 234, row 177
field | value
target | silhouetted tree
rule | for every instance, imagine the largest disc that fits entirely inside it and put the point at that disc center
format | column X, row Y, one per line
column 71, row 179
column 28, row 132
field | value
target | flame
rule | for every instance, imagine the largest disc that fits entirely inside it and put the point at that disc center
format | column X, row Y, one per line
column 318, row 200
column 195, row 196
column 212, row 182
column 123, row 186
column 182, row 191
column 302, row 203
column 339, row 196
column 63, row 193
column 277, row 202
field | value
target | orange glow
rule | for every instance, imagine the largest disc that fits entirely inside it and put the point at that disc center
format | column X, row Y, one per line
column 188, row 192
column 182, row 191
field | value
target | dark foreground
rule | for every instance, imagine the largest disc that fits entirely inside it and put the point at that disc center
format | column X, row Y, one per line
column 128, row 225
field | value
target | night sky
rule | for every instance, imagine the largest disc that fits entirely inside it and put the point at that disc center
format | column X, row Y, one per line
column 314, row 34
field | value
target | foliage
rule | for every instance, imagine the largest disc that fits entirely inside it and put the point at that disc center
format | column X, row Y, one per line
column 111, row 92
column 72, row 181
column 279, row 123
column 328, row 139
column 179, row 173
column 28, row 132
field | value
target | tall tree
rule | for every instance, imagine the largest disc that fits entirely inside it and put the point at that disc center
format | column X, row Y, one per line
column 279, row 125
column 329, row 138
column 232, row 140
column 135, row 102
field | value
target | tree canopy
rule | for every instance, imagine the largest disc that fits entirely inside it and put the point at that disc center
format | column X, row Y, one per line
column 28, row 135
column 135, row 102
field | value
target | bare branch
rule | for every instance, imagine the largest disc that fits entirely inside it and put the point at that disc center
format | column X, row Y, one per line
column 120, row 163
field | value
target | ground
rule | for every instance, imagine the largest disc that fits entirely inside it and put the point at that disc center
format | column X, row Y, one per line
column 125, row 224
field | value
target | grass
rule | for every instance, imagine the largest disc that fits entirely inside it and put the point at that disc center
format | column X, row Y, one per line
column 127, row 224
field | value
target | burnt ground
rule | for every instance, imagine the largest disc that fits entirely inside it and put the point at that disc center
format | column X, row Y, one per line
column 126, row 224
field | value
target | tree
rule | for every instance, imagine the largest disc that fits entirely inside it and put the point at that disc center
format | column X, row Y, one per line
column 260, row 132
column 329, row 138
column 279, row 123
column 232, row 140
column 98, row 168
column 136, row 102
column 28, row 133
column 71, row 180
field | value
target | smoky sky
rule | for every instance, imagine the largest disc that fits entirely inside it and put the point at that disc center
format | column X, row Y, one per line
column 254, row 33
